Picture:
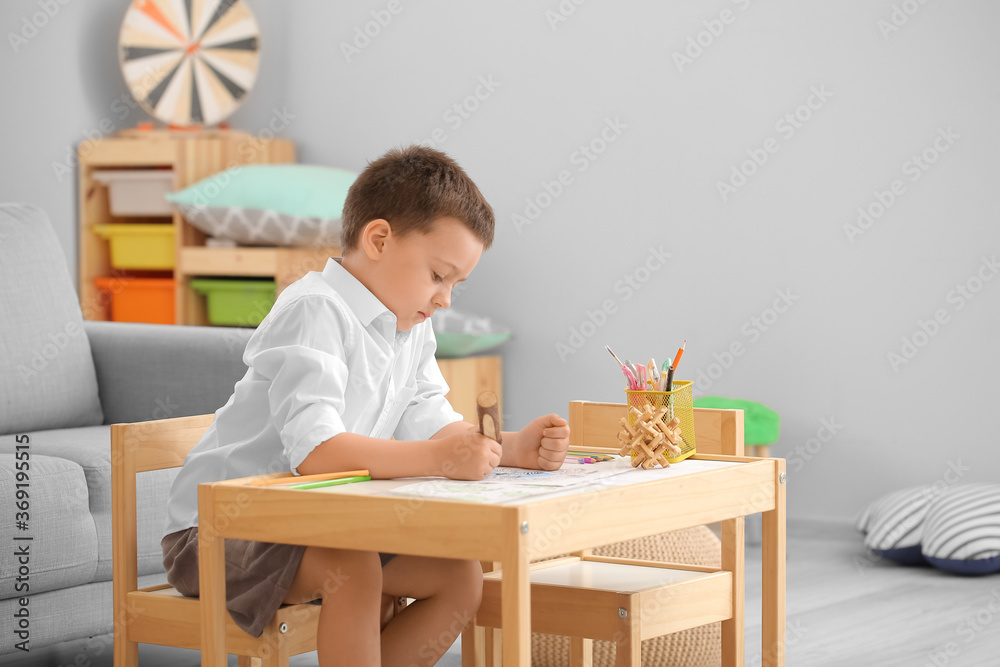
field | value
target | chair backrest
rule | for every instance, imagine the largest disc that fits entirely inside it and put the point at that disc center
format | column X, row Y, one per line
column 594, row 427
column 135, row 448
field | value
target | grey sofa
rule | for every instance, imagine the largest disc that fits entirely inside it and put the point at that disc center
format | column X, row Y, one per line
column 63, row 381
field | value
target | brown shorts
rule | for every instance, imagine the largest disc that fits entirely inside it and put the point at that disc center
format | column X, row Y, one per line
column 258, row 574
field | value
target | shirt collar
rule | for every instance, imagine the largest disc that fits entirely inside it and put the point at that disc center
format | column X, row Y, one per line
column 366, row 306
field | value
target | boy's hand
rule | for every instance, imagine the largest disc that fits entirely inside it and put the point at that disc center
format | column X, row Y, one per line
column 468, row 455
column 542, row 444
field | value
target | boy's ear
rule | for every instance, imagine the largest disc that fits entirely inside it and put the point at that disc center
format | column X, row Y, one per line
column 373, row 237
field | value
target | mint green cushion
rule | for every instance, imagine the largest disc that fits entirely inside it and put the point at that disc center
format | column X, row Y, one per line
column 462, row 344
column 760, row 423
column 269, row 204
column 460, row 333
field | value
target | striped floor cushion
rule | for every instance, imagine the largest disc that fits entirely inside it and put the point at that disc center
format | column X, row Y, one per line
column 893, row 524
column 962, row 530
column 953, row 528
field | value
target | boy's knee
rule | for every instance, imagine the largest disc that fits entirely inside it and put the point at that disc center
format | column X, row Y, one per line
column 340, row 568
column 468, row 577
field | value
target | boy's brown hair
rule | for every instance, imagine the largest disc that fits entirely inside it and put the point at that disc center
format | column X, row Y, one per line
column 410, row 188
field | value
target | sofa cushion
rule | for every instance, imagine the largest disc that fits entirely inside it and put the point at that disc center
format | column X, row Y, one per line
column 62, row 550
column 71, row 613
column 47, row 377
column 90, row 449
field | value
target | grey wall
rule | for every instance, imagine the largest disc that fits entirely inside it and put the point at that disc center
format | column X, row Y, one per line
column 855, row 423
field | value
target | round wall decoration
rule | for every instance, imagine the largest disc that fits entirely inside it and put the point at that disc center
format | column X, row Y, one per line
column 189, row 62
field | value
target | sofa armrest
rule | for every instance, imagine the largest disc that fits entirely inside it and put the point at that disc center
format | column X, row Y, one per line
column 159, row 371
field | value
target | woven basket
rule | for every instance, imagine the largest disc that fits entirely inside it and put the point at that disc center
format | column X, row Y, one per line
column 695, row 647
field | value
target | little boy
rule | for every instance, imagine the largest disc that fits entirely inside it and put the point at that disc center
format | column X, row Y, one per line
column 344, row 361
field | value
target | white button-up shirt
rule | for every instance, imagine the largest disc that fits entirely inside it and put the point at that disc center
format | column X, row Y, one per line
column 326, row 360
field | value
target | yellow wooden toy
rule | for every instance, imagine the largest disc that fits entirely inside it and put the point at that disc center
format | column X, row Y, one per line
column 649, row 438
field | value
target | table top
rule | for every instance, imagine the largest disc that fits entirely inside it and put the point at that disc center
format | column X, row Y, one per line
column 371, row 516
column 430, row 487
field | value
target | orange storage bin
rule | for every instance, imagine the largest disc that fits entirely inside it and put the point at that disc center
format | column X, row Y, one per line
column 140, row 299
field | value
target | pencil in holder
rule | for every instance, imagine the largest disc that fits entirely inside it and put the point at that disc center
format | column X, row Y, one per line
column 680, row 404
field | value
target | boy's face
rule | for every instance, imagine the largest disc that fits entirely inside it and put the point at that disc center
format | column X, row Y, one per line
column 413, row 275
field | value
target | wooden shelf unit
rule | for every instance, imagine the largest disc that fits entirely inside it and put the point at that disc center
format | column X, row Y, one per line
column 467, row 378
column 192, row 156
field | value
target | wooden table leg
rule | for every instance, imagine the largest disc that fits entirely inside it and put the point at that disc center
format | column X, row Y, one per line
column 773, row 576
column 515, row 599
column 733, row 648
column 628, row 646
column 211, row 582
column 581, row 652
column 494, row 647
column 473, row 645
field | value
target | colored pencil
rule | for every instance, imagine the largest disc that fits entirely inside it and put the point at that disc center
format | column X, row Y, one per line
column 331, row 482
column 680, row 353
column 308, row 478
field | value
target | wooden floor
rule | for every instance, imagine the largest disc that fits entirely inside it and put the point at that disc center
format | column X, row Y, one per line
column 846, row 607
column 843, row 608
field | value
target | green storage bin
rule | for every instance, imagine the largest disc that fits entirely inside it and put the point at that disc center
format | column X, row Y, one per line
column 236, row 302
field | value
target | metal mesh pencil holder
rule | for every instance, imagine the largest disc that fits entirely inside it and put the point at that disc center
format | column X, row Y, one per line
column 680, row 404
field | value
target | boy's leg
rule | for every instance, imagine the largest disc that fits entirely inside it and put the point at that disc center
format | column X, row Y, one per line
column 350, row 583
column 447, row 593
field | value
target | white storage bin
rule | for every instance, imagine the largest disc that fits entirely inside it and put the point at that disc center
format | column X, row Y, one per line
column 138, row 191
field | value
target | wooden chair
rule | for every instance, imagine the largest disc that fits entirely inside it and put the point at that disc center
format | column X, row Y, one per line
column 159, row 614
column 587, row 597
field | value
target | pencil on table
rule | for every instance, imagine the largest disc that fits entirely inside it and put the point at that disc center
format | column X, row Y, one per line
column 308, row 478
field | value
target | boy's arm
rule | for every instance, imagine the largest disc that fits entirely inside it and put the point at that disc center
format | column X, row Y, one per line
column 508, row 437
column 385, row 459
column 541, row 445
